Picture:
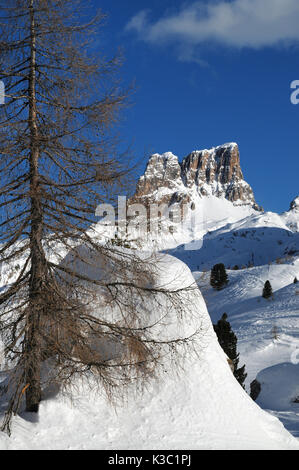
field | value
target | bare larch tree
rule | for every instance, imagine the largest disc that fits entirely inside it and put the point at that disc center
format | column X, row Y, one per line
column 58, row 162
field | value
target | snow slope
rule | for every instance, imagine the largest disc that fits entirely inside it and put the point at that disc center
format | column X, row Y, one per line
column 208, row 213
column 202, row 407
column 257, row 322
column 254, row 240
column 265, row 246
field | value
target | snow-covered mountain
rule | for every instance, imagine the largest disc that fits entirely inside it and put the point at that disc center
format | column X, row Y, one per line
column 210, row 184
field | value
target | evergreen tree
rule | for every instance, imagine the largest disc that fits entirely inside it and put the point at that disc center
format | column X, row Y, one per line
column 295, row 280
column 228, row 341
column 219, row 276
column 267, row 291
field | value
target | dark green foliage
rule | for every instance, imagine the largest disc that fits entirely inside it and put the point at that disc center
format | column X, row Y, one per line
column 228, row 341
column 267, row 291
column 295, row 280
column 255, row 389
column 219, row 277
column 240, row 375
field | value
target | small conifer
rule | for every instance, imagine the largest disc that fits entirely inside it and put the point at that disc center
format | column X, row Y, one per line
column 219, row 276
column 228, row 341
column 267, row 290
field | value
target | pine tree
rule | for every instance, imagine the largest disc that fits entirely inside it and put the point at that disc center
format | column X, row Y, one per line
column 240, row 375
column 228, row 341
column 219, row 276
column 295, row 280
column 267, row 290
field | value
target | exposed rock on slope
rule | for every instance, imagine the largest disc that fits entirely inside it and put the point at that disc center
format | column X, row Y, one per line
column 218, row 172
column 214, row 172
column 162, row 180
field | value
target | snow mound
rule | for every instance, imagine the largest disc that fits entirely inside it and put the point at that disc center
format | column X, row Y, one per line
column 201, row 407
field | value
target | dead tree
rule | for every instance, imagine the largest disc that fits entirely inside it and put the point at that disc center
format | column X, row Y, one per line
column 59, row 160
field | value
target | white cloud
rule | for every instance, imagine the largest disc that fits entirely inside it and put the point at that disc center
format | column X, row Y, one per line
column 138, row 22
column 237, row 23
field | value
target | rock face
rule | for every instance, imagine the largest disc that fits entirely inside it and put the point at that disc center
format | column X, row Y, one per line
column 162, row 181
column 218, row 172
column 214, row 172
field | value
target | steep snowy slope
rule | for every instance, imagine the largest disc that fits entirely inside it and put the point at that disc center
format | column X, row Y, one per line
column 267, row 331
column 203, row 407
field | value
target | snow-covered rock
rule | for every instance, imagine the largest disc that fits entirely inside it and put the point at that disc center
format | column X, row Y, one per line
column 291, row 217
column 295, row 204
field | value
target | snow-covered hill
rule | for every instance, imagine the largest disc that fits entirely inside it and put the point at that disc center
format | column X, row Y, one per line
column 202, row 407
column 256, row 240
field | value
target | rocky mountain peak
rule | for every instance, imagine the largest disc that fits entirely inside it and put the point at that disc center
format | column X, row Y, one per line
column 215, row 172
column 162, row 175
column 218, row 172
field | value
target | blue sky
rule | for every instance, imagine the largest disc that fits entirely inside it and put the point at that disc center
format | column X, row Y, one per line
column 210, row 72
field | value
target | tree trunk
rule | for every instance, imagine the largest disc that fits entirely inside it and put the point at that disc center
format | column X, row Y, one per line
column 32, row 340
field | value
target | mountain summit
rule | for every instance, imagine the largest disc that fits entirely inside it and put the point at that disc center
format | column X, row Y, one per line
column 215, row 172
column 295, row 204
